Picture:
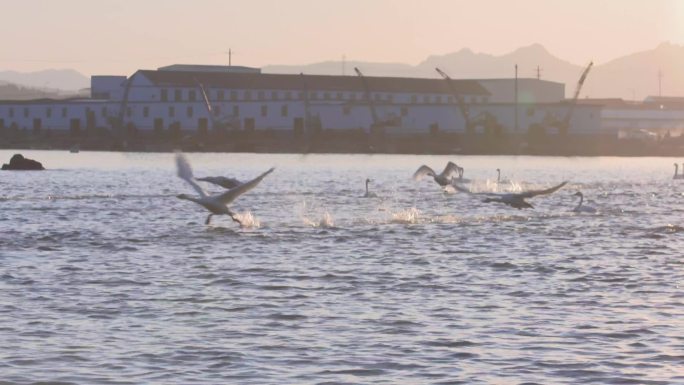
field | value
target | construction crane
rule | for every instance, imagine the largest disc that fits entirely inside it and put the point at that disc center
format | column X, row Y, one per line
column 564, row 124
column 378, row 124
column 459, row 101
column 484, row 118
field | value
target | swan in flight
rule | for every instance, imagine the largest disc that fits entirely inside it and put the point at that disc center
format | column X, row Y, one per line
column 369, row 194
column 516, row 200
column 444, row 179
column 677, row 175
column 221, row 181
column 580, row 208
column 217, row 204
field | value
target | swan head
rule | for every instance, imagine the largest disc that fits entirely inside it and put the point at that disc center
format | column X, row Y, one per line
column 578, row 194
column 368, row 180
column 183, row 196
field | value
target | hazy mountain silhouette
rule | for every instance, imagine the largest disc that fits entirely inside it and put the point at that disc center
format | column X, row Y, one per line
column 52, row 79
column 631, row 76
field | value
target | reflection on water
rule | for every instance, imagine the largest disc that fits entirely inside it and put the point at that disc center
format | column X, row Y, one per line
column 106, row 277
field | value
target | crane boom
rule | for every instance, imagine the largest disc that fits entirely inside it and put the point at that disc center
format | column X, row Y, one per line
column 459, row 99
column 573, row 102
column 371, row 106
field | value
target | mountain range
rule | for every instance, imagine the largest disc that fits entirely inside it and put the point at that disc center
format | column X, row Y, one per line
column 633, row 76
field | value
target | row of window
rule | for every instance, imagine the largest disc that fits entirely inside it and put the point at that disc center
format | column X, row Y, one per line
column 221, row 95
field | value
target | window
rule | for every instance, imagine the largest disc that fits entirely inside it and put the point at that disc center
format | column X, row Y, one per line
column 48, row 112
column 26, row 112
column 164, row 95
column 346, row 110
column 451, row 99
column 192, row 95
column 264, row 110
column 390, row 98
column 352, row 96
column 377, row 97
column 146, row 111
column 178, row 95
column 64, row 112
column 414, row 98
column 233, row 95
column 260, row 95
column 104, row 111
column 288, row 95
column 426, row 99
column 326, row 96
column 217, row 110
column 11, row 112
column 236, row 111
column 283, row 110
column 172, row 111
column 189, row 112
column 274, row 95
column 404, row 111
column 339, row 96
column 248, row 95
column 313, row 95
column 220, row 95
column 301, row 95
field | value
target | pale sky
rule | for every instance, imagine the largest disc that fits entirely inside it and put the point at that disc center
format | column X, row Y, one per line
column 119, row 37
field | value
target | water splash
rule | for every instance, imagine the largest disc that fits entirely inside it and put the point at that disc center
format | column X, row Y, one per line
column 409, row 216
column 248, row 220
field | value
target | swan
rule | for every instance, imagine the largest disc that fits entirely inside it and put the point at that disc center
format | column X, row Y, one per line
column 580, row 208
column 498, row 177
column 217, row 204
column 221, row 181
column 677, row 175
column 444, row 179
column 516, row 200
column 369, row 194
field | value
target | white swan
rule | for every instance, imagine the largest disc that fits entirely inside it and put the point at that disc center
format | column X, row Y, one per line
column 217, row 204
column 221, row 181
column 580, row 208
column 498, row 177
column 516, row 200
column 369, row 194
column 677, row 175
column 444, row 179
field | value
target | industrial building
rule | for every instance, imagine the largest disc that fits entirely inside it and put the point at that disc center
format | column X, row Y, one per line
column 199, row 98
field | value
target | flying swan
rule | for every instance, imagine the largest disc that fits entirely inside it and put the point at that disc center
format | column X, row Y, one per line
column 217, row 204
column 444, row 179
column 516, row 200
column 221, row 181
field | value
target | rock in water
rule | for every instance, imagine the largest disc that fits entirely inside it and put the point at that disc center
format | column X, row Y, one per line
column 18, row 162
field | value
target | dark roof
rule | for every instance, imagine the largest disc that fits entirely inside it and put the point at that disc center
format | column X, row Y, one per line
column 317, row 82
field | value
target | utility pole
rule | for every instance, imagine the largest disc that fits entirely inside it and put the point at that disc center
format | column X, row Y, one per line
column 660, row 81
column 515, row 96
column 344, row 64
column 230, row 57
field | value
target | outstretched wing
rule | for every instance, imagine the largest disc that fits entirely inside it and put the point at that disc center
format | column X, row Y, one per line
column 235, row 192
column 534, row 193
column 450, row 169
column 185, row 173
column 221, row 181
column 422, row 171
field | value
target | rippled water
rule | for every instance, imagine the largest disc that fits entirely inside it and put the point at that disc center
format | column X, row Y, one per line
column 107, row 278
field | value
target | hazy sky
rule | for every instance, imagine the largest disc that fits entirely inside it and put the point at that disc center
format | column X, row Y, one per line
column 118, row 37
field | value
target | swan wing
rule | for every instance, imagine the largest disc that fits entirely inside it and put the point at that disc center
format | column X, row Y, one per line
column 450, row 169
column 423, row 171
column 235, row 192
column 534, row 193
column 185, row 173
column 221, row 181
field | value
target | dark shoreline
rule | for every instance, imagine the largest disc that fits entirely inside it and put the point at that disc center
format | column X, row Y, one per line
column 337, row 142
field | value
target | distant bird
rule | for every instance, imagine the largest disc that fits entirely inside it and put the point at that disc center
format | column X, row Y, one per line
column 217, row 204
column 580, row 208
column 369, row 194
column 444, row 179
column 221, row 181
column 498, row 177
column 516, row 200
column 677, row 175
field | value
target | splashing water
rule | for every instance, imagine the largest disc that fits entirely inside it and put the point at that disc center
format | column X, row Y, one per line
column 247, row 220
column 326, row 221
column 409, row 216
